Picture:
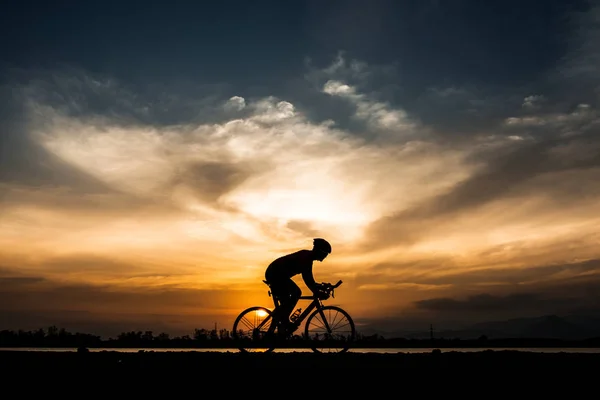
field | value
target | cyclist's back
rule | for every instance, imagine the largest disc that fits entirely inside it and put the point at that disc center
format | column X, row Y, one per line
column 285, row 267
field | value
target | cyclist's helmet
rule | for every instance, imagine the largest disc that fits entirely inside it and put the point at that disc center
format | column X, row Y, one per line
column 321, row 245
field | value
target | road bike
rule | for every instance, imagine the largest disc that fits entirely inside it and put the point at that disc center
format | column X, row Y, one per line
column 328, row 329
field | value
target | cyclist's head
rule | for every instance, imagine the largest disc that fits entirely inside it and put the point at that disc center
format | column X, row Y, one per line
column 321, row 248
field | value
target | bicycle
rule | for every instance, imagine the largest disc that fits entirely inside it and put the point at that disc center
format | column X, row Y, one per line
column 254, row 328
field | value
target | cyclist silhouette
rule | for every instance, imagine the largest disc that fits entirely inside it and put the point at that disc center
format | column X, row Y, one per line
column 279, row 277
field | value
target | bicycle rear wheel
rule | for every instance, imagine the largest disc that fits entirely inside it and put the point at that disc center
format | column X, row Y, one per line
column 330, row 330
column 252, row 331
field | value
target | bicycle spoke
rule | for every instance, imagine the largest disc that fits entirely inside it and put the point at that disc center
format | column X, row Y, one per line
column 337, row 326
column 251, row 329
column 332, row 321
column 330, row 330
column 346, row 324
column 247, row 323
column 322, row 323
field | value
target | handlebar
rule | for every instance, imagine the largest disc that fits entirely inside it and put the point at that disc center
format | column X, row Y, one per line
column 330, row 288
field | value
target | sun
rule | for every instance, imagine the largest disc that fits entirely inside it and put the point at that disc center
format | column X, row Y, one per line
column 261, row 313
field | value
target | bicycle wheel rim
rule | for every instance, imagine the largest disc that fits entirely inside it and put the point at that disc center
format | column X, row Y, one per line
column 330, row 330
column 249, row 335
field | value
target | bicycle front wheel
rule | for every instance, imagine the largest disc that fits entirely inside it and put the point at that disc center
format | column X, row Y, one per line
column 252, row 331
column 330, row 330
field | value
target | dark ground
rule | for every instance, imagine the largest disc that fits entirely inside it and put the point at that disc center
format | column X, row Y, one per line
column 349, row 372
column 31, row 361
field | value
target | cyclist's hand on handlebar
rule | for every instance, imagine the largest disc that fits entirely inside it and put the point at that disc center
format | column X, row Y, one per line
column 324, row 290
column 321, row 291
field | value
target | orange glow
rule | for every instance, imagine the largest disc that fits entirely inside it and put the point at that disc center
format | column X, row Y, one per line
column 180, row 222
column 261, row 313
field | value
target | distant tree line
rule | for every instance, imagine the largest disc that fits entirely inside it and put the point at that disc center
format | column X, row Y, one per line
column 59, row 337
column 205, row 338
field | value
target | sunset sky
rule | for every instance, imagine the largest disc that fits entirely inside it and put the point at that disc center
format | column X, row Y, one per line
column 156, row 156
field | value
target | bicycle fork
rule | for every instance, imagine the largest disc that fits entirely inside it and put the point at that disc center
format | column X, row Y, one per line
column 325, row 321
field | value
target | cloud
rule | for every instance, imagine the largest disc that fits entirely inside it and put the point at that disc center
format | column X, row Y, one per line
column 533, row 101
column 231, row 162
column 211, row 179
column 378, row 115
column 580, row 62
column 528, row 304
column 24, row 162
column 235, row 103
column 547, row 162
column 20, row 280
column 583, row 118
column 468, row 308
column 160, row 192
column 480, row 303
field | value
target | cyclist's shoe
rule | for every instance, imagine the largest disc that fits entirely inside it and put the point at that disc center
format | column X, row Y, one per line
column 292, row 327
column 289, row 327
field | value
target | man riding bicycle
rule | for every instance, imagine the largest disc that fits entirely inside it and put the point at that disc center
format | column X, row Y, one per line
column 279, row 277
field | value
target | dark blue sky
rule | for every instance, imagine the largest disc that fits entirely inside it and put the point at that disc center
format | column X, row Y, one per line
column 262, row 42
column 462, row 121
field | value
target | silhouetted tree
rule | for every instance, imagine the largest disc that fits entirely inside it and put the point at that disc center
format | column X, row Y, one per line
column 60, row 337
column 200, row 334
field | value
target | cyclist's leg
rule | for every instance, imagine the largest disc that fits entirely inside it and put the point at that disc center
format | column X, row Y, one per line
column 292, row 295
column 279, row 291
column 295, row 294
column 288, row 294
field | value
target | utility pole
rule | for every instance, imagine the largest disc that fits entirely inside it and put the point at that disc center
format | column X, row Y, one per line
column 431, row 331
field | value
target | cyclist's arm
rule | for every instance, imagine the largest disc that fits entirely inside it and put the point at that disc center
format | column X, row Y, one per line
column 309, row 279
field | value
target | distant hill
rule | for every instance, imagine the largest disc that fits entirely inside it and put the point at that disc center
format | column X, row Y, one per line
column 548, row 326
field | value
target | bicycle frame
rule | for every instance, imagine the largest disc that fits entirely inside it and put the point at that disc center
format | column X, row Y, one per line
column 257, row 325
column 316, row 303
